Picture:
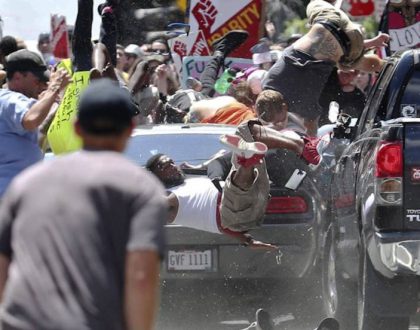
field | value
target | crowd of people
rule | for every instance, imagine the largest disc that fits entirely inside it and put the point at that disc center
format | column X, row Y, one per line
column 81, row 236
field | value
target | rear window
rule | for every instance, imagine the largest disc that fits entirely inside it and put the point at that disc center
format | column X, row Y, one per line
column 191, row 148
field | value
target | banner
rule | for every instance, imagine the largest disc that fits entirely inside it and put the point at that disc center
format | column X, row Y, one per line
column 401, row 20
column 193, row 66
column 59, row 37
column 217, row 17
column 61, row 135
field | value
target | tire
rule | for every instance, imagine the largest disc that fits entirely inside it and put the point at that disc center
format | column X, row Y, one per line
column 377, row 297
column 339, row 294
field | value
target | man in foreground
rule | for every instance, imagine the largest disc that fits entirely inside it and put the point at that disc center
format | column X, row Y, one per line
column 83, row 233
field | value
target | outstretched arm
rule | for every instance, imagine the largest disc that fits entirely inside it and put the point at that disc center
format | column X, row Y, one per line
column 381, row 40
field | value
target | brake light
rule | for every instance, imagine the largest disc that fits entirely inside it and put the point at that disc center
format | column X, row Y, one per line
column 389, row 162
column 286, row 204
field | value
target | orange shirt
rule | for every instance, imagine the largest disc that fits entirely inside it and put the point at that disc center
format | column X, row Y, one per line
column 233, row 114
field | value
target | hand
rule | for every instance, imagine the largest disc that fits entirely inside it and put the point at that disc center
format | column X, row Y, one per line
column 381, row 40
column 258, row 245
column 59, row 80
column 162, row 71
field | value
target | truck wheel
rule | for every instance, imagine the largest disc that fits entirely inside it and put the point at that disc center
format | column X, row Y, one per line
column 376, row 299
column 339, row 294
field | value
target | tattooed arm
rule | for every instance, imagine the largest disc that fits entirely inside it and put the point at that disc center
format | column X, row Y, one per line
column 320, row 43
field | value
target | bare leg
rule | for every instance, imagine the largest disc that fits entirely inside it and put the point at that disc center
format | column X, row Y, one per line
column 277, row 140
column 244, row 177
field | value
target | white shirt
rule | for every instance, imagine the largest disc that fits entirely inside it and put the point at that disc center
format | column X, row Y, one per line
column 197, row 199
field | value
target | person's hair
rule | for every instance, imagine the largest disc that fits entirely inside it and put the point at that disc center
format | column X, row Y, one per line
column 268, row 103
column 160, row 41
column 119, row 46
column 242, row 92
column 8, row 45
column 152, row 162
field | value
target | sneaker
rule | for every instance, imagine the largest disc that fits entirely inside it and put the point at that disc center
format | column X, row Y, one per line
column 242, row 148
column 263, row 319
column 244, row 153
column 328, row 324
column 230, row 41
column 313, row 149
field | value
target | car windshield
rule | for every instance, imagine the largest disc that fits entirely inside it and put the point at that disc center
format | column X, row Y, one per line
column 191, row 148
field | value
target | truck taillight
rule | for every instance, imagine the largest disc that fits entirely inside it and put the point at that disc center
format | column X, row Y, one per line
column 389, row 172
column 389, row 162
column 286, row 204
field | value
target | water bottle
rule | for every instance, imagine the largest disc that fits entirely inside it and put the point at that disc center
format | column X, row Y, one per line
column 223, row 83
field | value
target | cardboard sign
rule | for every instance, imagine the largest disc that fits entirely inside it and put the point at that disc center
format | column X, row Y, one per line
column 192, row 45
column 217, row 17
column 61, row 135
column 193, row 66
column 59, row 37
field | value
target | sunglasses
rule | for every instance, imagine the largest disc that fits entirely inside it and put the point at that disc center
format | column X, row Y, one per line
column 160, row 52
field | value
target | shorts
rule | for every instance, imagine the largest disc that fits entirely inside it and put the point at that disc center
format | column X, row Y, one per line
column 300, row 78
column 242, row 210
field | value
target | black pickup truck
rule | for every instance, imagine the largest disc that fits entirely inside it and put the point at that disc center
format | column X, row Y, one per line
column 371, row 262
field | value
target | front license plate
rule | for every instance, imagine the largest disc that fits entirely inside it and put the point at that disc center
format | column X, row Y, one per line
column 189, row 260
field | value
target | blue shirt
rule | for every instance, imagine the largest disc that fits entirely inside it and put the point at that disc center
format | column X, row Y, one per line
column 18, row 147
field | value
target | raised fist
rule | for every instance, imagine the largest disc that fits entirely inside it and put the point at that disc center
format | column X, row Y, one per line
column 205, row 14
column 180, row 48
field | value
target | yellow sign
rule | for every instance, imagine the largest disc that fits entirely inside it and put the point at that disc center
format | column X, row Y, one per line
column 61, row 135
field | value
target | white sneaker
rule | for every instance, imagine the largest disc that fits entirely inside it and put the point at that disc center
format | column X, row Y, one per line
column 242, row 148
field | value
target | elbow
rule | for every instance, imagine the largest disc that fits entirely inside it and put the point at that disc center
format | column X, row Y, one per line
column 30, row 124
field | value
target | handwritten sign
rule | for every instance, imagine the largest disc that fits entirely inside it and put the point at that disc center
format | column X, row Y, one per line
column 61, row 135
column 193, row 66
column 192, row 45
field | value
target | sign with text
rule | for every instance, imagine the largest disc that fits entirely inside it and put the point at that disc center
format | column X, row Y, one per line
column 61, row 135
column 217, row 17
column 60, row 44
column 193, row 66
column 401, row 20
column 192, row 45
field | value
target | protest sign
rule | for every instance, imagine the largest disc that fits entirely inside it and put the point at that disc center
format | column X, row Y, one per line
column 61, row 135
column 217, row 17
column 401, row 20
column 59, row 37
column 192, row 45
column 193, row 66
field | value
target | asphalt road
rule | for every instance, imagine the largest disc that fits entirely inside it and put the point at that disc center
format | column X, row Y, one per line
column 231, row 305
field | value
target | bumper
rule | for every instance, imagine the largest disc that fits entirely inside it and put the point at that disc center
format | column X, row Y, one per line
column 401, row 254
column 298, row 246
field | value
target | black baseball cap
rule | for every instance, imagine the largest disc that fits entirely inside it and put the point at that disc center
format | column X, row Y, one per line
column 25, row 60
column 105, row 108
